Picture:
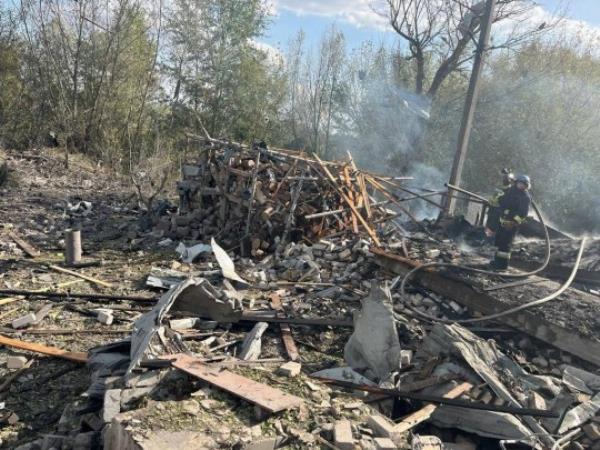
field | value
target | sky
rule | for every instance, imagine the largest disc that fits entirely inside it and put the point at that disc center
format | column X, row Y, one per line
column 359, row 22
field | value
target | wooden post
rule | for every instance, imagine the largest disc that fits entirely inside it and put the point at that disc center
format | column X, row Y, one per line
column 470, row 103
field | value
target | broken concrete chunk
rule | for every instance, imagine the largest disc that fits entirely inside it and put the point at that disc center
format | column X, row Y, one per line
column 374, row 344
column 264, row 444
column 384, row 427
column 290, row 369
column 24, row 321
column 342, row 434
column 384, row 444
column 581, row 380
column 16, row 362
column 483, row 423
column 580, row 414
column 112, row 404
column 536, row 401
column 183, row 324
column 426, row 443
column 251, row 347
column 105, row 316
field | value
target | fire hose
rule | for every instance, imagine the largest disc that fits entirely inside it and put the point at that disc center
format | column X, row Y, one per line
column 533, row 303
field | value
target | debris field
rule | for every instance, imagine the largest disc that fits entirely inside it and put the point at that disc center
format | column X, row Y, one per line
column 262, row 306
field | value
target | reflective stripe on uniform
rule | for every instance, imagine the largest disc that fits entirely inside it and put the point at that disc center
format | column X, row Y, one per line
column 519, row 219
column 503, row 255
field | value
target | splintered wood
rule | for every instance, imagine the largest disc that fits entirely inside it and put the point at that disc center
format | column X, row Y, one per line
column 257, row 198
column 270, row 399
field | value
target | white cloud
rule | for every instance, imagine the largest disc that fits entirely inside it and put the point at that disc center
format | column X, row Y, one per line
column 274, row 55
column 355, row 12
column 361, row 14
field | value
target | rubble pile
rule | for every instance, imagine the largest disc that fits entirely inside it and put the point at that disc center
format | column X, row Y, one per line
column 261, row 198
column 305, row 344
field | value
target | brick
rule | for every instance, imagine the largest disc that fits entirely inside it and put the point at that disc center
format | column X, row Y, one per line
column 342, row 435
column 384, row 444
column 290, row 369
column 24, row 321
column 15, row 362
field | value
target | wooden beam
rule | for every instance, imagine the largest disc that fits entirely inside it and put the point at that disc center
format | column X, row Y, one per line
column 349, row 202
column 527, row 321
column 25, row 246
column 80, row 357
column 270, row 399
column 82, row 276
column 286, row 332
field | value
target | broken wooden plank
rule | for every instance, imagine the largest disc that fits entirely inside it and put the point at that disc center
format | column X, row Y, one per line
column 80, row 275
column 286, row 331
column 527, row 321
column 349, row 202
column 80, row 357
column 425, row 412
column 25, row 246
column 346, row 174
column 268, row 398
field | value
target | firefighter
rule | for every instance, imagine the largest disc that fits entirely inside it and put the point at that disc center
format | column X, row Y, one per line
column 514, row 208
column 493, row 220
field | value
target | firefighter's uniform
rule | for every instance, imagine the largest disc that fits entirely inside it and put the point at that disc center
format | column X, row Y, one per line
column 513, row 209
column 493, row 220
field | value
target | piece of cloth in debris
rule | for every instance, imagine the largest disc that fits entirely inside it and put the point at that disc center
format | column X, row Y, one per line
column 374, row 344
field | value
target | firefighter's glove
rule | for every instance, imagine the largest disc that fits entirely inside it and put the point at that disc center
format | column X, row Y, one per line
column 494, row 201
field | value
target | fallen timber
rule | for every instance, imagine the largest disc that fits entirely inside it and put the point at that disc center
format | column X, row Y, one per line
column 464, row 293
column 560, row 272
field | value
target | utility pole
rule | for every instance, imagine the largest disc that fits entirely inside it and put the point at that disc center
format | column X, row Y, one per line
column 470, row 103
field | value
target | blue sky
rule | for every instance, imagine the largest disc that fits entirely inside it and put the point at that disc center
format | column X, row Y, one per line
column 359, row 23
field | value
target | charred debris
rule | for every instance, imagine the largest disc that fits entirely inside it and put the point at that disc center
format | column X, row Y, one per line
column 271, row 309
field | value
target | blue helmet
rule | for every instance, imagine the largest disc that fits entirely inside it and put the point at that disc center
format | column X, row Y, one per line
column 521, row 178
